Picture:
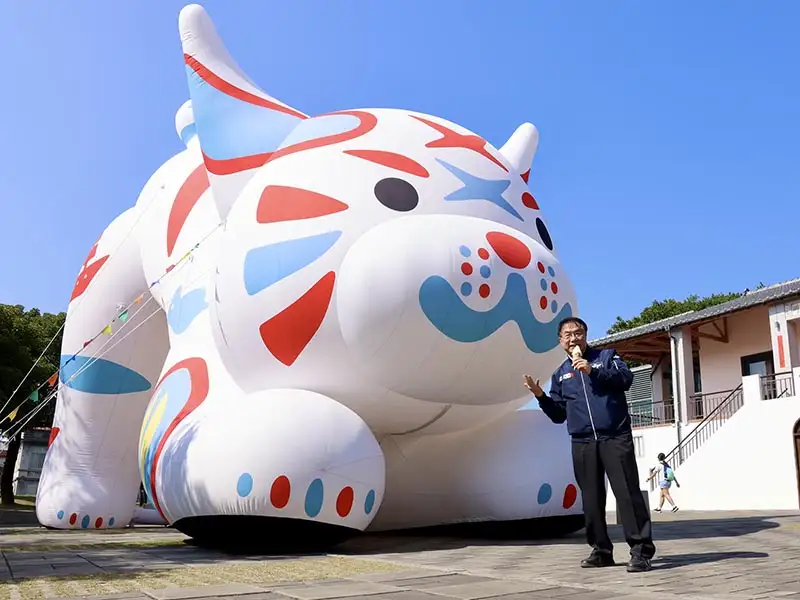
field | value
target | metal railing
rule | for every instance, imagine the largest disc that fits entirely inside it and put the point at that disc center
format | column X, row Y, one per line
column 779, row 385
column 701, row 405
column 647, row 413
column 715, row 419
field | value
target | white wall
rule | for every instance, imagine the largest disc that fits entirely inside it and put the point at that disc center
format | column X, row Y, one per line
column 747, row 464
column 720, row 364
column 654, row 440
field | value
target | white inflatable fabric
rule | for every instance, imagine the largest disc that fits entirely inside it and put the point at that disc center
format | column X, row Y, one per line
column 331, row 318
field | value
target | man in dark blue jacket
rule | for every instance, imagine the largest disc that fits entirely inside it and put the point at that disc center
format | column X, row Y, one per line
column 588, row 392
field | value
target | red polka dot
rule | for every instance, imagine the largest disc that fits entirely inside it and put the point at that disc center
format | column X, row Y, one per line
column 466, row 269
column 529, row 201
column 543, row 302
column 554, row 287
column 484, row 290
column 510, row 250
column 280, row 492
column 72, row 518
column 344, row 502
column 98, row 522
column 483, row 253
column 540, row 266
column 570, row 495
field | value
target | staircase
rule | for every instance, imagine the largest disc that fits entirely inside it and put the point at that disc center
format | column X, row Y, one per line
column 707, row 427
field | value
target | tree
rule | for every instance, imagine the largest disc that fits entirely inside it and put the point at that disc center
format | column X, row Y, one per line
column 663, row 309
column 23, row 337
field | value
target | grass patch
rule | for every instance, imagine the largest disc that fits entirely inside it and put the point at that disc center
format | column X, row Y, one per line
column 256, row 572
column 78, row 546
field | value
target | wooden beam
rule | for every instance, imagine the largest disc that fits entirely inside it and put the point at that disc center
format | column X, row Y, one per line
column 721, row 335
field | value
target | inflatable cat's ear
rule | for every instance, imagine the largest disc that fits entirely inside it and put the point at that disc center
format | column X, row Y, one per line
column 520, row 149
column 237, row 124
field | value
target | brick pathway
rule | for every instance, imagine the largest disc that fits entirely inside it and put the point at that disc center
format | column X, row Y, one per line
column 700, row 556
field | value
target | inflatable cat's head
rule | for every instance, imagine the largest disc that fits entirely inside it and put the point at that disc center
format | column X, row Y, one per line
column 372, row 249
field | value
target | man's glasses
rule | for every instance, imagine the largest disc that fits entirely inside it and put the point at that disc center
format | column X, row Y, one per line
column 573, row 335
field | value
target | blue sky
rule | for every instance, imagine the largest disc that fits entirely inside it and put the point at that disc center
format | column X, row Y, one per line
column 668, row 161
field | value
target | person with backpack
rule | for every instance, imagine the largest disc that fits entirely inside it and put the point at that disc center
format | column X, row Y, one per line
column 667, row 478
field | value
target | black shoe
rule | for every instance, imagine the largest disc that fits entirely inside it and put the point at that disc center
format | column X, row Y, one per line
column 638, row 564
column 598, row 559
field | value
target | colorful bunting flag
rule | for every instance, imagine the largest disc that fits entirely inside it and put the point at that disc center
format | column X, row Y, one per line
column 53, row 379
column 13, row 414
column 123, row 316
column 34, row 397
column 138, row 300
column 86, row 343
column 107, row 329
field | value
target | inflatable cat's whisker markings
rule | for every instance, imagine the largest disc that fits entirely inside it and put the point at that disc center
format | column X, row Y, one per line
column 451, row 315
column 356, row 276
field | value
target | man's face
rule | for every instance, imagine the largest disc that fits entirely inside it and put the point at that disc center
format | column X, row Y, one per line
column 572, row 334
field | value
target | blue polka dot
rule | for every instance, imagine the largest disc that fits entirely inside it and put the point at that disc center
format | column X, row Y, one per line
column 554, row 306
column 464, row 251
column 60, row 514
column 314, row 496
column 543, row 283
column 369, row 502
column 551, row 271
column 485, row 271
column 466, row 288
column 245, row 484
column 545, row 493
column 111, row 522
column 85, row 521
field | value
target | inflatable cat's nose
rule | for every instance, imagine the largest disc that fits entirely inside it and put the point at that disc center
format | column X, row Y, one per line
column 452, row 310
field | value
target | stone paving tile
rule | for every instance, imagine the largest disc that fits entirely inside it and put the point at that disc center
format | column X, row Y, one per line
column 402, row 595
column 487, row 589
column 229, row 589
column 336, row 589
column 437, row 581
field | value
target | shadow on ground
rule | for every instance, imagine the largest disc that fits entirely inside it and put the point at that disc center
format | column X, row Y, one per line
column 681, row 560
column 419, row 541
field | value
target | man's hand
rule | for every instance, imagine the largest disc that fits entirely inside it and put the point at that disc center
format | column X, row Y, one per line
column 533, row 386
column 582, row 365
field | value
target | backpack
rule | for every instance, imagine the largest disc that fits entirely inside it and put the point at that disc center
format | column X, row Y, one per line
column 669, row 474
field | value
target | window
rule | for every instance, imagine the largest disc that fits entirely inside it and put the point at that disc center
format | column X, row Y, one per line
column 758, row 364
column 638, row 445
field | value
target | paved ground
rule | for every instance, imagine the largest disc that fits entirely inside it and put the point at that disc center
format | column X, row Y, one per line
column 700, row 556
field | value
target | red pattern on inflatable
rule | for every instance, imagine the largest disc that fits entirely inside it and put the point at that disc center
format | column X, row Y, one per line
column 225, row 87
column 282, row 203
column 198, row 375
column 54, row 431
column 195, row 186
column 88, row 272
column 391, row 160
column 288, row 333
column 280, row 492
column 453, row 139
column 367, row 122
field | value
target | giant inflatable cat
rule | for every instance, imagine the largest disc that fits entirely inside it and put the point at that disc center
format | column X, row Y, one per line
column 319, row 325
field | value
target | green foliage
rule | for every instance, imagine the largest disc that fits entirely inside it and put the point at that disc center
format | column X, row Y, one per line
column 663, row 309
column 23, row 336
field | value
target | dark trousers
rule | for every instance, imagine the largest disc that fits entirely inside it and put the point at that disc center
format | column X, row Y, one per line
column 592, row 460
